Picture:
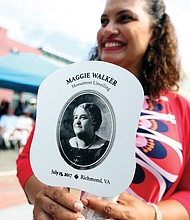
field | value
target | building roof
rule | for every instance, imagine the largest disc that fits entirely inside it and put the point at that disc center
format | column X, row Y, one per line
column 7, row 45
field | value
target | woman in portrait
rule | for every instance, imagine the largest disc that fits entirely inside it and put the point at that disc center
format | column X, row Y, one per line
column 86, row 147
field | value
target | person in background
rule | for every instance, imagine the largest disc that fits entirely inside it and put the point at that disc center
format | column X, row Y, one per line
column 137, row 35
column 8, row 123
column 19, row 108
column 24, row 127
column 32, row 105
column 4, row 106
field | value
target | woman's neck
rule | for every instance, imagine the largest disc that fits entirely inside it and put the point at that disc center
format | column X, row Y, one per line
column 85, row 143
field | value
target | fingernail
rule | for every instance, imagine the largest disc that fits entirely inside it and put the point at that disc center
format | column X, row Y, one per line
column 81, row 217
column 85, row 202
column 78, row 206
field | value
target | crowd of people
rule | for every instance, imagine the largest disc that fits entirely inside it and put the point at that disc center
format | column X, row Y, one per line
column 15, row 126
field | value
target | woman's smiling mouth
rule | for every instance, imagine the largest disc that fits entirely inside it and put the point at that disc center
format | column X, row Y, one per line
column 112, row 45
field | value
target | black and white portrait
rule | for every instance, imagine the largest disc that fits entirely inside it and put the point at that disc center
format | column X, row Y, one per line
column 85, row 130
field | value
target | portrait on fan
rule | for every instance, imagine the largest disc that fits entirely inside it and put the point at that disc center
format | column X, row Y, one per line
column 85, row 130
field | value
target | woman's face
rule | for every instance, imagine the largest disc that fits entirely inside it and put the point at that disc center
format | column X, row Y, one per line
column 125, row 34
column 82, row 124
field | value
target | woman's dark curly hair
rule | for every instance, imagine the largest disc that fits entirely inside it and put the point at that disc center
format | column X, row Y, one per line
column 161, row 65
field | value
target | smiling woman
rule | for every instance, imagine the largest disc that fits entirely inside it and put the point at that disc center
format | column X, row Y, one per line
column 32, row 29
column 139, row 36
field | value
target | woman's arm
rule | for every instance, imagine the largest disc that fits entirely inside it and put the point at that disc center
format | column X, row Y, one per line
column 24, row 170
column 172, row 209
column 32, row 187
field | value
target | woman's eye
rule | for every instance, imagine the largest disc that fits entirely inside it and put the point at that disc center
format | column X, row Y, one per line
column 83, row 117
column 104, row 22
column 125, row 18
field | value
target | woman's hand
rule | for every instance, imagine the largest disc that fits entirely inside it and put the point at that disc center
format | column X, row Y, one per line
column 127, row 207
column 56, row 203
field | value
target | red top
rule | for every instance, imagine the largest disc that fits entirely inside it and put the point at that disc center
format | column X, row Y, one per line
column 162, row 152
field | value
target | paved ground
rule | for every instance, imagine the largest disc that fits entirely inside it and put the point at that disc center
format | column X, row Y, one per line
column 13, row 202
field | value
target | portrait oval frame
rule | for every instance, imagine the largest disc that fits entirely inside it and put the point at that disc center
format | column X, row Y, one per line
column 64, row 130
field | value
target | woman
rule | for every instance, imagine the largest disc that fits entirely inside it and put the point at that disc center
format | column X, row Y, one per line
column 138, row 35
column 85, row 149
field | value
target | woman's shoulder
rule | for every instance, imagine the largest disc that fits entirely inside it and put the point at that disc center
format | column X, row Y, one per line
column 72, row 142
column 178, row 101
column 181, row 109
column 99, row 142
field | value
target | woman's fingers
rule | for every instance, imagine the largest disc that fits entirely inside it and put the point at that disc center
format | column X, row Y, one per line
column 57, row 203
column 127, row 207
column 41, row 215
column 64, row 198
column 107, row 208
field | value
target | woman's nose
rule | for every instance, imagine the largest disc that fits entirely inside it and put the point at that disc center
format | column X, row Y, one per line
column 110, row 30
column 78, row 121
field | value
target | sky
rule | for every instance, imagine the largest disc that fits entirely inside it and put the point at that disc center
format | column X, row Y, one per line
column 70, row 26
